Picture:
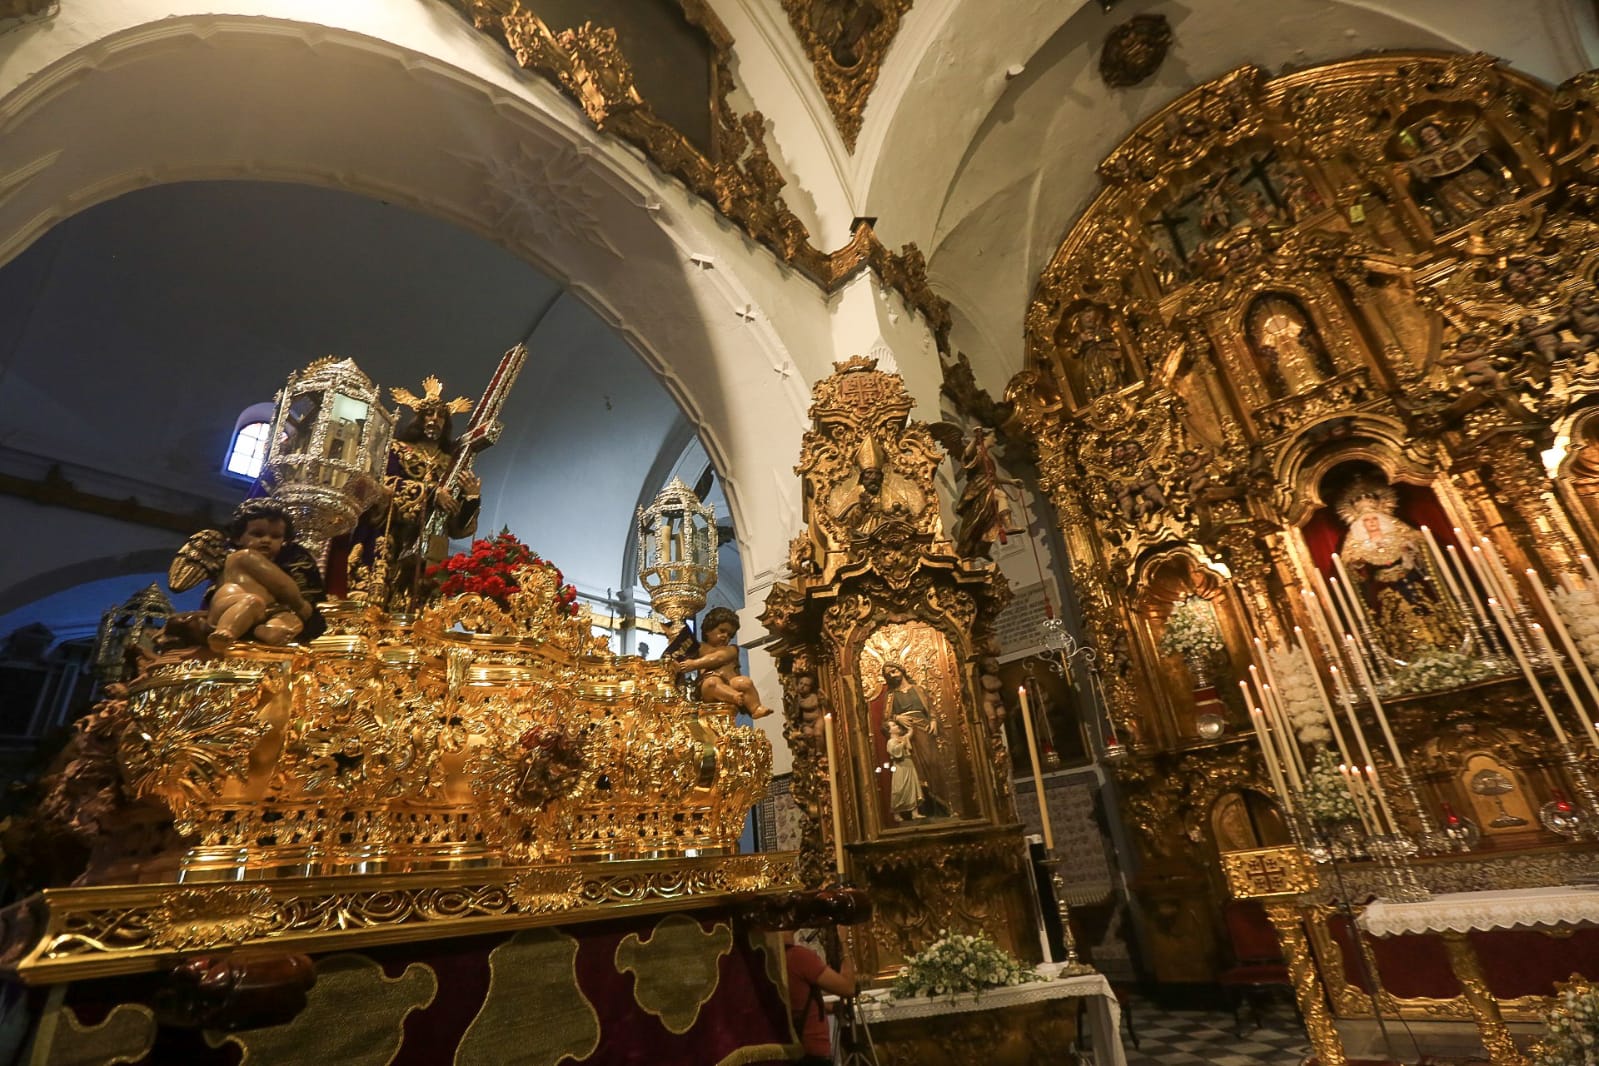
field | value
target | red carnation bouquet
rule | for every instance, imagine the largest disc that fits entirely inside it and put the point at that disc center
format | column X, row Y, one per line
column 490, row 570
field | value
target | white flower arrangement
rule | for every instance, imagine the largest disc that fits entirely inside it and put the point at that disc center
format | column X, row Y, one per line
column 1571, row 1028
column 1192, row 632
column 1326, row 796
column 958, row 963
column 1439, row 668
column 1300, row 695
column 1580, row 611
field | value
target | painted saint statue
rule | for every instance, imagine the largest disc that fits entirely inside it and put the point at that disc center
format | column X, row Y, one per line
column 412, row 530
column 906, row 706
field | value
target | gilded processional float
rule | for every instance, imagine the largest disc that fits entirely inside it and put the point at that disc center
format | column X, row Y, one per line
column 1312, row 387
column 438, row 781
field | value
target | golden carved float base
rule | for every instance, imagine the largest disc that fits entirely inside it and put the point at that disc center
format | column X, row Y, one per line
column 71, row 934
column 1016, row 1035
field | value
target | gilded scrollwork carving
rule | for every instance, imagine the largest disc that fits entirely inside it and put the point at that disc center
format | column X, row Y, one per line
column 739, row 176
column 846, row 41
column 885, row 627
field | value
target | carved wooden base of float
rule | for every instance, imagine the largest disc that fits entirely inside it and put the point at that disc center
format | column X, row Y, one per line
column 71, row 934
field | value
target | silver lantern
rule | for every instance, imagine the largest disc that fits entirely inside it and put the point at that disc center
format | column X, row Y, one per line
column 677, row 552
column 329, row 449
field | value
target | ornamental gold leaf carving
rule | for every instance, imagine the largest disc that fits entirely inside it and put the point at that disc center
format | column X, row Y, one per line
column 846, row 41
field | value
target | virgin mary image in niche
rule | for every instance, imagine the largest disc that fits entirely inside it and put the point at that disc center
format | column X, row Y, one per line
column 1388, row 562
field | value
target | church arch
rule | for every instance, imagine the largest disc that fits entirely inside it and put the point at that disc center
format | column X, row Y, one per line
column 468, row 142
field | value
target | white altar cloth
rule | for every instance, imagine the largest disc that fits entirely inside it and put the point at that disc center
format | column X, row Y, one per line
column 1463, row 912
column 1104, row 1013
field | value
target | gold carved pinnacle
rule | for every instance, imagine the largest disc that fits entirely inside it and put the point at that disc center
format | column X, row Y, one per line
column 846, row 44
column 854, row 363
column 1264, row 873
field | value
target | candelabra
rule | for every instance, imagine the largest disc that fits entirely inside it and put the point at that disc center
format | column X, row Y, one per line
column 1071, row 965
column 1061, row 649
column 1577, row 821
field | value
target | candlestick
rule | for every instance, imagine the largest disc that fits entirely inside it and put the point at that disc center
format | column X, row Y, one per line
column 1269, row 721
column 1326, row 701
column 1038, row 773
column 1573, row 653
column 1354, row 602
column 1273, row 771
column 832, row 782
column 1487, row 627
column 1565, row 682
column 1527, row 672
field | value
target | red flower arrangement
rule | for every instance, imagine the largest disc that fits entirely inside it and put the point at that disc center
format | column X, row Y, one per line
column 490, row 570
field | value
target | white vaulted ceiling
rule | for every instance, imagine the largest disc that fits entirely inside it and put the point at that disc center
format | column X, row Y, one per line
column 987, row 170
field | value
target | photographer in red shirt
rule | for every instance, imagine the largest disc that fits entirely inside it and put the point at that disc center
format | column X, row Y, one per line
column 808, row 978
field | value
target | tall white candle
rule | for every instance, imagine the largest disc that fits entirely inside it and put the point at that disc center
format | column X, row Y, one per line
column 1269, row 722
column 1488, row 624
column 1527, row 672
column 1285, row 730
column 1573, row 653
column 1382, row 719
column 1382, row 800
column 1355, row 604
column 832, row 782
column 1273, row 770
column 1326, row 705
column 1440, row 564
column 1290, row 738
column 1038, row 772
column 1360, row 735
column 1512, row 594
column 1565, row 682
column 1361, row 806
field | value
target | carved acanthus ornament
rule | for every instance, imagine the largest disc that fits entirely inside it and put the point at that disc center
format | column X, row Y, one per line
column 738, row 177
column 846, row 41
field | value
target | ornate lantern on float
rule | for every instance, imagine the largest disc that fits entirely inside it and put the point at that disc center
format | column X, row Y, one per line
column 329, row 449
column 677, row 552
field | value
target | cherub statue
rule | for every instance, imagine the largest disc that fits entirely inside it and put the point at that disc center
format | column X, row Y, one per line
column 265, row 586
column 253, row 594
column 810, row 703
column 720, row 681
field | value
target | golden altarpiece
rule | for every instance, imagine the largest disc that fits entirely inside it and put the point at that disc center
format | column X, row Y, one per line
column 1311, row 385
column 879, row 633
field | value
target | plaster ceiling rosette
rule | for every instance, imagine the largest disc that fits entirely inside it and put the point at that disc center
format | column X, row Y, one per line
column 846, row 41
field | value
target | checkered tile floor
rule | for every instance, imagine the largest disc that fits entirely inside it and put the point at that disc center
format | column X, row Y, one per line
column 1192, row 1038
